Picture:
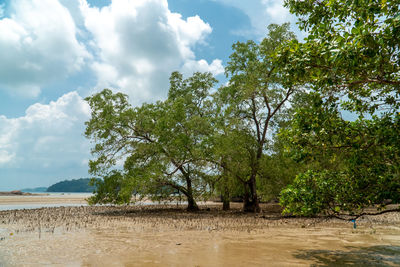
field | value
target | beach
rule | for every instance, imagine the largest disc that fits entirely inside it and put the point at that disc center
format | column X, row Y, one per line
column 45, row 198
column 167, row 235
column 32, row 201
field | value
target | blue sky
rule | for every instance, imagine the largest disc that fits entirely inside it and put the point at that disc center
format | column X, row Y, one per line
column 54, row 53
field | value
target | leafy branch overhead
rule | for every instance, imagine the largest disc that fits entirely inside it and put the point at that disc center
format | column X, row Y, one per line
column 350, row 59
column 352, row 50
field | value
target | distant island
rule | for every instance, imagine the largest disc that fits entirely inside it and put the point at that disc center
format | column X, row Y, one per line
column 76, row 185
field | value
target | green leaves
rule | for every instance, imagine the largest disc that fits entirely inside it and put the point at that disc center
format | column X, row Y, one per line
column 163, row 146
column 350, row 60
column 351, row 51
column 251, row 106
column 352, row 165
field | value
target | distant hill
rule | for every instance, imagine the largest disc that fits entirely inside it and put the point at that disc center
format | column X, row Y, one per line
column 76, row 185
column 34, row 190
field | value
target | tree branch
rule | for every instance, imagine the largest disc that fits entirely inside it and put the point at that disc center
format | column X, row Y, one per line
column 355, row 217
column 254, row 113
column 176, row 186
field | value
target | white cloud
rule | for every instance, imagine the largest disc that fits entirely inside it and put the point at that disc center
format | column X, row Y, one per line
column 139, row 43
column 131, row 46
column 40, row 39
column 191, row 66
column 277, row 12
column 6, row 157
column 48, row 136
column 262, row 13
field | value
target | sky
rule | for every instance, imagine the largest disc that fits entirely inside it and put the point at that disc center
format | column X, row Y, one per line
column 54, row 53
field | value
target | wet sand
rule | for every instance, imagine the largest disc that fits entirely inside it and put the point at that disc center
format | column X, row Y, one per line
column 170, row 236
column 43, row 199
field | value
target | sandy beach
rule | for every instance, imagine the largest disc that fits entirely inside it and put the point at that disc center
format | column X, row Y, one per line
column 167, row 235
column 44, row 199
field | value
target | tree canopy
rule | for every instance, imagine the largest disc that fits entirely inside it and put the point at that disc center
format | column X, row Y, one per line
column 351, row 53
column 281, row 119
column 350, row 60
column 162, row 146
column 256, row 94
column 351, row 164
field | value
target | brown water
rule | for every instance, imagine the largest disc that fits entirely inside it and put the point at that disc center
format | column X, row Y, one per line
column 176, row 238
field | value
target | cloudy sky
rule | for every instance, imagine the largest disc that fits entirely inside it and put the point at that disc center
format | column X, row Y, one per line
column 54, row 53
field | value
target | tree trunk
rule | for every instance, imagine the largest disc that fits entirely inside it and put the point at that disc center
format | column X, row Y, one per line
column 226, row 204
column 250, row 201
column 225, row 197
column 226, row 201
column 192, row 205
column 246, row 200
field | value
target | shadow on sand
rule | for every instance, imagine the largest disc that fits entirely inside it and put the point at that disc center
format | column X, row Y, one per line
column 368, row 256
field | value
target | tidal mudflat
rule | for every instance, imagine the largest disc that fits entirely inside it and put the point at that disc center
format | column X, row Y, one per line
column 167, row 235
column 32, row 201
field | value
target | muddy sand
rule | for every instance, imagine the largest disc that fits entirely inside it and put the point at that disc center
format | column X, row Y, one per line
column 29, row 199
column 167, row 235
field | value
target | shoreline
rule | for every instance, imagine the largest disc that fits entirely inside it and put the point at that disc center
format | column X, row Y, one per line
column 29, row 199
column 20, row 193
column 160, row 235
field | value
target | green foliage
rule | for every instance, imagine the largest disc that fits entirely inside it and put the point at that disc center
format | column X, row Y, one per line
column 310, row 194
column 231, row 155
column 111, row 189
column 353, row 165
column 194, row 142
column 350, row 61
column 251, row 104
column 162, row 145
column 277, row 170
column 76, row 185
column 352, row 50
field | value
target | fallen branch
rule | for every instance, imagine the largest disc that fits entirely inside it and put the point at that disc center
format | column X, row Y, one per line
column 356, row 216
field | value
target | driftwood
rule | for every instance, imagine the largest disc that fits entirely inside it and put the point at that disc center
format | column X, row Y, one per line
column 353, row 217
